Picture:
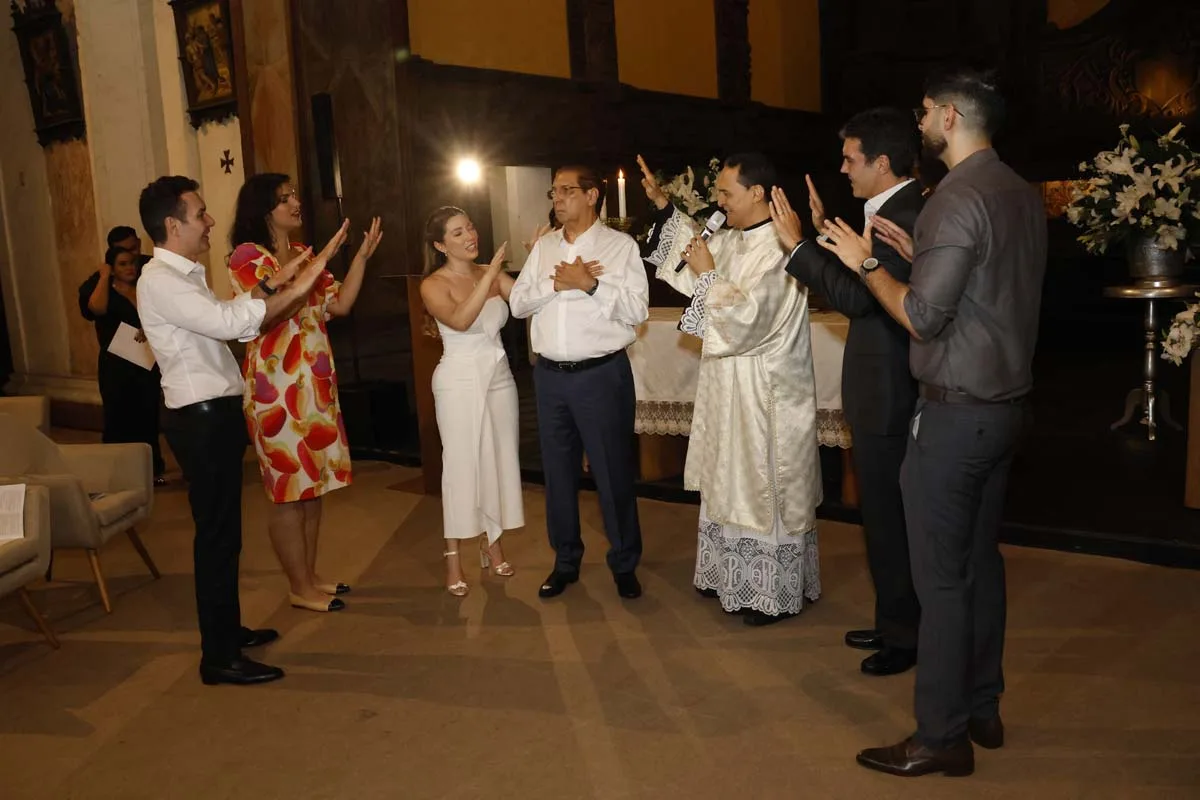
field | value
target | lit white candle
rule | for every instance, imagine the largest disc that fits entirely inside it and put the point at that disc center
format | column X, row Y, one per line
column 621, row 193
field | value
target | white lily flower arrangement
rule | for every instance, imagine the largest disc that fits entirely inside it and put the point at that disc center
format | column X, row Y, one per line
column 1183, row 335
column 1139, row 189
column 693, row 190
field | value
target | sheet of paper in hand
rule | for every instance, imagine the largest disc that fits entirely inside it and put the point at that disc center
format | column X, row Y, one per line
column 125, row 344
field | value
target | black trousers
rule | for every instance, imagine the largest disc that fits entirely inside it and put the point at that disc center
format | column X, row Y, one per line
column 131, row 398
column 210, row 440
column 897, row 610
column 954, row 479
column 589, row 411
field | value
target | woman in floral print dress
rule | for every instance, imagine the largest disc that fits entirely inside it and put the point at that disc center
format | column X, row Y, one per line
column 291, row 400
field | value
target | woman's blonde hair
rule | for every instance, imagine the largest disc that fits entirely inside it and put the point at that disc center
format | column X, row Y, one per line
column 435, row 232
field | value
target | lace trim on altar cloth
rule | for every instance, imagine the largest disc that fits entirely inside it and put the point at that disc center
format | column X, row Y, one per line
column 694, row 318
column 750, row 573
column 832, row 430
column 662, row 418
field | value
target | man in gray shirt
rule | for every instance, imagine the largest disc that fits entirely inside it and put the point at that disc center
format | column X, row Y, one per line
column 972, row 310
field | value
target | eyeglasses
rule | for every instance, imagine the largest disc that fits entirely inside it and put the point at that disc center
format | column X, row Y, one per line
column 561, row 191
column 920, row 113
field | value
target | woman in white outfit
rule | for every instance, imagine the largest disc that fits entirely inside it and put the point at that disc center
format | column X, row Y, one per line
column 474, row 394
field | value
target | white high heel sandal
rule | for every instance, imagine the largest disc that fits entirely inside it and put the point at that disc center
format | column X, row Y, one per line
column 503, row 569
column 459, row 588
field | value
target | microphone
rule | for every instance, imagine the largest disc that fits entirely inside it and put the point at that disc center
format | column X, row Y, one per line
column 712, row 226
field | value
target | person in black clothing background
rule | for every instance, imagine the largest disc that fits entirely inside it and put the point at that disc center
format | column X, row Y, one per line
column 130, row 394
column 880, row 148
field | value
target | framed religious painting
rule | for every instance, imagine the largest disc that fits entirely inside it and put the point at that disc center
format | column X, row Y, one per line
column 50, row 72
column 203, row 32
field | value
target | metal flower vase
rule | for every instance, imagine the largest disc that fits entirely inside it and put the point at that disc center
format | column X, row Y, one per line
column 1152, row 265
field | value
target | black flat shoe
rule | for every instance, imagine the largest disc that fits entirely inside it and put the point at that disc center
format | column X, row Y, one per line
column 628, row 585
column 239, row 672
column 556, row 583
column 758, row 619
column 864, row 640
column 889, row 661
column 258, row 637
column 711, row 594
column 332, row 588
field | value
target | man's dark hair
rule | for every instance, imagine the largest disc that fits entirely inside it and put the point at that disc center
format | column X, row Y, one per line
column 588, row 180
column 120, row 234
column 754, row 169
column 887, row 132
column 975, row 94
column 161, row 199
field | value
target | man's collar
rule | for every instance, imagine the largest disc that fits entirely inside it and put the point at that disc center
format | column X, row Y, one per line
column 173, row 259
column 878, row 200
column 583, row 237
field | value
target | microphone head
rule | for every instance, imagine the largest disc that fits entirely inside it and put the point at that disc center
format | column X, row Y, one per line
column 716, row 221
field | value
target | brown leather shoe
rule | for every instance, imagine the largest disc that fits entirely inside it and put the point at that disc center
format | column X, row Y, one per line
column 911, row 758
column 988, row 733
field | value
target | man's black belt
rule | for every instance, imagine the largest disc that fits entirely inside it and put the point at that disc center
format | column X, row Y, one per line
column 577, row 366
column 936, row 394
column 211, row 406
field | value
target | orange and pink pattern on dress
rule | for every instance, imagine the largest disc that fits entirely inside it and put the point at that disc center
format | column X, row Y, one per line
column 291, row 398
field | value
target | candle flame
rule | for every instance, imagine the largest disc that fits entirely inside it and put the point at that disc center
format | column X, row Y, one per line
column 621, row 174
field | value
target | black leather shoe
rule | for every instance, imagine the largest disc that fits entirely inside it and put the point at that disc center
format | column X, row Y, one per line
column 911, row 758
column 889, row 661
column 987, row 733
column 711, row 594
column 240, row 672
column 628, row 585
column 757, row 619
column 864, row 640
column 259, row 637
column 557, row 583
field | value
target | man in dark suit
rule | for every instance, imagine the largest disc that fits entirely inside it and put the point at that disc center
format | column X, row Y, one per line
column 879, row 151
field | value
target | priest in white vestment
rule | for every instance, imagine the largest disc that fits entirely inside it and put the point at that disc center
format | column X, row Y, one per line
column 753, row 448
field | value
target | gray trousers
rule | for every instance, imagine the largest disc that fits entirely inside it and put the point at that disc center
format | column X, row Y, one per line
column 953, row 481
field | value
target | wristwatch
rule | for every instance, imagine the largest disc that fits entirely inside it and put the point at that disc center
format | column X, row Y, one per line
column 867, row 266
column 592, row 290
column 266, row 287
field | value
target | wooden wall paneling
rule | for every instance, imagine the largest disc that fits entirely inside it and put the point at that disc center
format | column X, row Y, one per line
column 592, row 38
column 733, row 49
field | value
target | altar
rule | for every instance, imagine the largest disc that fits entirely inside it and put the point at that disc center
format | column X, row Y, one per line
column 666, row 364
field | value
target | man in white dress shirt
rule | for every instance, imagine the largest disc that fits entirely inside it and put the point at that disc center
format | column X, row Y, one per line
column 187, row 327
column 585, row 396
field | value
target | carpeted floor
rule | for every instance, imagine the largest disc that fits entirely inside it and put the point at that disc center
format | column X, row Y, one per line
column 411, row 693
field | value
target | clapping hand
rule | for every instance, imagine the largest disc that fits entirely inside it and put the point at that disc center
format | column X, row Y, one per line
column 653, row 192
column 852, row 248
column 371, row 239
column 577, row 274
column 815, row 206
column 894, row 236
column 787, row 221
column 497, row 262
column 307, row 276
column 538, row 232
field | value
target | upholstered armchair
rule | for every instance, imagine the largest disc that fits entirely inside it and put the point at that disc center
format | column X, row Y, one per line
column 96, row 490
column 34, row 409
column 22, row 561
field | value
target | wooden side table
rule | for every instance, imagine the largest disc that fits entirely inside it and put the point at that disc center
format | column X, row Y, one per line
column 1148, row 396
